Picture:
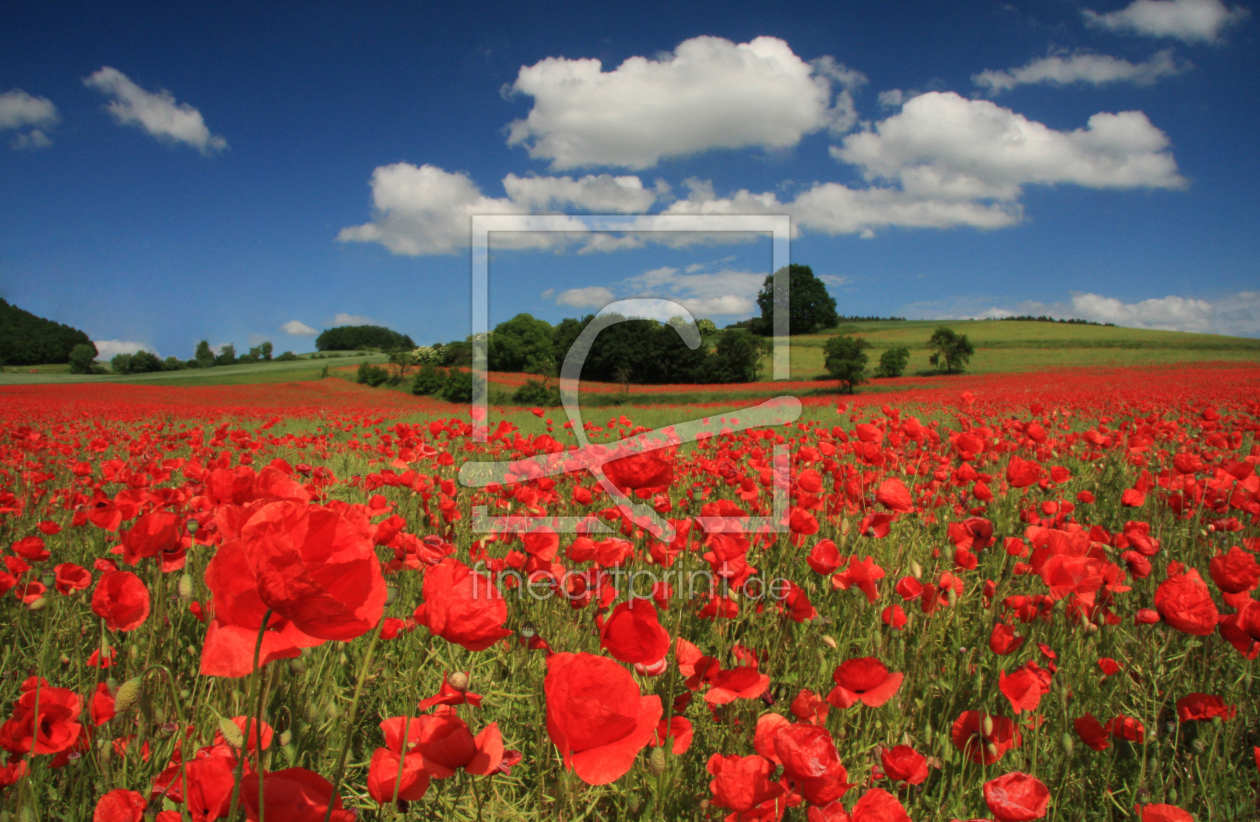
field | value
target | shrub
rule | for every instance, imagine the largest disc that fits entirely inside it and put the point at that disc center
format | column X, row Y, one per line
column 81, row 358
column 537, row 392
column 429, row 380
column 371, row 375
column 287, row 356
column 892, row 363
column 458, row 387
column 846, row 360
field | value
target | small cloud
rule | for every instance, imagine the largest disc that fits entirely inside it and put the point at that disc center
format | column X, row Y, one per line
column 155, row 112
column 834, row 279
column 19, row 110
column 1095, row 69
column 351, row 319
column 548, row 294
column 1188, row 20
column 591, row 297
column 298, row 329
column 108, row 349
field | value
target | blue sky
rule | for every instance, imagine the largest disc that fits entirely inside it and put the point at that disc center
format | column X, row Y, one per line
column 239, row 172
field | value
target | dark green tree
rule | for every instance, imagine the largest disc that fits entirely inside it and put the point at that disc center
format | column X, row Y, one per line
column 810, row 308
column 227, row 355
column 82, row 357
column 266, row 351
column 458, row 387
column 950, row 350
column 357, row 337
column 736, row 358
column 172, row 364
column 846, row 360
column 145, row 362
column 429, row 380
column 121, row 364
column 204, row 355
column 893, row 362
column 523, row 343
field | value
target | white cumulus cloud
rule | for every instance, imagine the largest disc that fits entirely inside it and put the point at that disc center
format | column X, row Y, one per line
column 351, row 319
column 29, row 116
column 601, row 194
column 155, row 112
column 298, row 329
column 1188, row 20
column 591, row 297
column 709, row 93
column 108, row 349
column 1096, row 69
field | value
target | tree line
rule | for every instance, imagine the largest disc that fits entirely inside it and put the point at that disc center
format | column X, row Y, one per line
column 26, row 339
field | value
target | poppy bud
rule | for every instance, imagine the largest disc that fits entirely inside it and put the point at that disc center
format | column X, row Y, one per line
column 185, row 586
column 297, row 666
column 1172, row 795
column 952, row 596
column 986, row 725
column 991, row 749
column 458, row 681
column 39, row 604
column 133, row 653
column 391, row 594
column 185, row 694
column 1067, row 744
column 656, row 761
column 1089, row 628
column 286, row 737
column 829, row 641
column 916, row 570
column 231, row 732
column 128, row 694
column 1199, row 746
column 65, row 660
column 49, row 580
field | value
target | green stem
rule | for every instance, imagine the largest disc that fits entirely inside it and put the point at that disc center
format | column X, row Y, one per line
column 240, row 762
column 354, row 708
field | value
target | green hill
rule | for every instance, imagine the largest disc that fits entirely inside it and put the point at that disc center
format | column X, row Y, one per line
column 26, row 339
column 1017, row 345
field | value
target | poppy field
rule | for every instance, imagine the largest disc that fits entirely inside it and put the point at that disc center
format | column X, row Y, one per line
column 1001, row 597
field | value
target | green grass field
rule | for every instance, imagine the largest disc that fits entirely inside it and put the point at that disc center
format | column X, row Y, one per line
column 301, row 369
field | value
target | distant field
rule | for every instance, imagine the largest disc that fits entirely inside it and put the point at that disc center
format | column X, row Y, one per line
column 1005, row 347
column 301, row 369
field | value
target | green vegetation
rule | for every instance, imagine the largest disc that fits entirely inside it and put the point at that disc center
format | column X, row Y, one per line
column 950, row 350
column 892, row 363
column 846, row 361
column 26, row 339
column 810, row 308
column 355, row 337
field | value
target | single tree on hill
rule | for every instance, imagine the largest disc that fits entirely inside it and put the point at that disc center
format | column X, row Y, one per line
column 846, row 360
column 82, row 358
column 950, row 350
column 809, row 306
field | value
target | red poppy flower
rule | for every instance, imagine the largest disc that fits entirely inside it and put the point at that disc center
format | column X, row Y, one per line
column 1092, row 732
column 861, row 575
column 865, row 679
column 648, row 470
column 31, row 548
column 894, row 616
column 878, row 805
column 810, row 707
column 293, row 795
column 71, row 577
column 1016, row 797
column 1022, row 473
column 904, row 764
column 1126, row 727
column 153, row 533
column 893, row 495
column 633, row 634
column 122, row 600
column 462, row 606
column 1234, row 572
column 120, row 805
column 981, row 744
column 1156, row 812
column 317, row 568
column 741, row 682
column 824, row 557
column 1185, row 603
column 101, row 706
column 447, row 745
column 742, row 784
column 57, row 723
column 450, row 695
column 809, row 757
column 678, row 729
column 383, row 776
column 1003, row 640
column 1203, row 706
column 596, row 715
column 1023, row 688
